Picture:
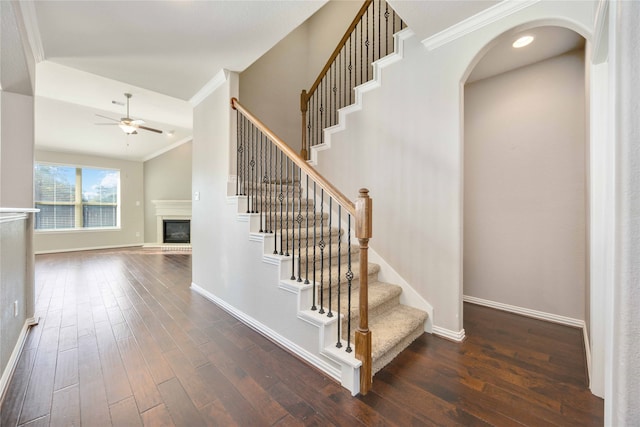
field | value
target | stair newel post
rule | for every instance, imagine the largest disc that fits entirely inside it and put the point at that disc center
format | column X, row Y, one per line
column 363, row 334
column 303, row 108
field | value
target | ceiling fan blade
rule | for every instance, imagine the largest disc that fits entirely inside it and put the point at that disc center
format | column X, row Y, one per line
column 149, row 129
column 108, row 118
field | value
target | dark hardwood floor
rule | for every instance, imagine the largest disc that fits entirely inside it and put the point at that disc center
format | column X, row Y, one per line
column 123, row 341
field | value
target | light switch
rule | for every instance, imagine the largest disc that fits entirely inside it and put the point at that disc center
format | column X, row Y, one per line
column 196, row 195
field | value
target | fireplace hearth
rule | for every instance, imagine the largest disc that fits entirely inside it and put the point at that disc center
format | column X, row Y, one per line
column 176, row 231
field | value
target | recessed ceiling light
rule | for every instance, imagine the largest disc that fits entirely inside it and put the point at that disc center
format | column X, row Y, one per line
column 522, row 41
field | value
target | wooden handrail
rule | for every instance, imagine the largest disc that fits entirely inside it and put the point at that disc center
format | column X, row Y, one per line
column 298, row 160
column 338, row 48
column 362, row 212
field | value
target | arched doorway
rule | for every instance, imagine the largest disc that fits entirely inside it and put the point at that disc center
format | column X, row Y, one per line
column 526, row 190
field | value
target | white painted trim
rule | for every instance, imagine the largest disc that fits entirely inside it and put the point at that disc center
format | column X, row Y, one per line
column 12, row 363
column 13, row 217
column 541, row 315
column 30, row 21
column 477, row 21
column 458, row 336
column 600, row 35
column 169, row 148
column 218, row 80
column 19, row 210
column 587, row 350
column 93, row 248
column 313, row 360
column 375, row 82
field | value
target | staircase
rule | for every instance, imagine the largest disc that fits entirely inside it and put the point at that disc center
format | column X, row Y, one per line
column 316, row 236
column 393, row 325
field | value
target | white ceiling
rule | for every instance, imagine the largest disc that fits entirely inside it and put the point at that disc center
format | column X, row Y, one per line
column 169, row 47
column 163, row 52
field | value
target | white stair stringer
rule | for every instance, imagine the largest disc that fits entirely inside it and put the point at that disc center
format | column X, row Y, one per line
column 375, row 82
column 311, row 336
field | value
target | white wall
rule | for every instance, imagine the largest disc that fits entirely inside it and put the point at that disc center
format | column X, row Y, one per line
column 524, row 187
column 408, row 142
column 131, row 208
column 166, row 177
column 270, row 88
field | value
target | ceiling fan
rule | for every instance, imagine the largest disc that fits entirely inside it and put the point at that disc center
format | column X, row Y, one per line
column 127, row 124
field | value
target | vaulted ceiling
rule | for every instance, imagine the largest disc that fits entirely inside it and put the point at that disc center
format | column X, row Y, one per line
column 163, row 52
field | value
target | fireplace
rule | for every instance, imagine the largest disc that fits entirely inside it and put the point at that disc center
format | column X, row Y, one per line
column 178, row 214
column 176, row 231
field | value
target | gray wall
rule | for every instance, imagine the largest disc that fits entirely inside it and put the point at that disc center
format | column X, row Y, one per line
column 525, row 187
column 270, row 88
column 13, row 284
column 131, row 209
column 166, row 177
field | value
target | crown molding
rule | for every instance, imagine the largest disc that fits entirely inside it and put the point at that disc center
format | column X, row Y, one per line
column 218, row 80
column 477, row 21
column 30, row 21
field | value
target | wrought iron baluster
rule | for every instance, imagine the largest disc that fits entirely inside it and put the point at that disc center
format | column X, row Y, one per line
column 349, row 278
column 287, row 198
column 386, row 28
column 321, row 244
column 239, row 156
column 299, row 219
column 330, row 259
column 281, row 200
column 306, row 264
column 366, row 44
column 374, row 28
column 313, row 307
column 250, row 169
column 261, row 182
column 238, row 144
column 339, row 342
column 271, row 191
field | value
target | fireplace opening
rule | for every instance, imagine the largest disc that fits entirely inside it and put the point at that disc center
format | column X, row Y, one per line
column 176, row 231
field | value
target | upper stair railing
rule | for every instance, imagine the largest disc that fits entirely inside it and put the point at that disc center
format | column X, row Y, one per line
column 368, row 38
column 305, row 213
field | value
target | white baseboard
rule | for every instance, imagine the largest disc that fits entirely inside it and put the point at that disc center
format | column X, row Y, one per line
column 15, row 356
column 93, row 248
column 287, row 344
column 458, row 336
column 587, row 351
column 541, row 315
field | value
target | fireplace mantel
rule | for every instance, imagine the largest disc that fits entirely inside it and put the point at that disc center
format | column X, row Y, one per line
column 170, row 209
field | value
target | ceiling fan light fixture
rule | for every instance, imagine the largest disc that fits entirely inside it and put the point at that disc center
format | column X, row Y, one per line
column 128, row 129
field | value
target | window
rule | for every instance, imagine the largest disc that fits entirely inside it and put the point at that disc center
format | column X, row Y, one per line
column 71, row 197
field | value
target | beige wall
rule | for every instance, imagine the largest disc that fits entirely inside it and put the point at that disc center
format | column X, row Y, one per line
column 166, row 177
column 525, row 187
column 270, row 88
column 131, row 209
column 16, row 150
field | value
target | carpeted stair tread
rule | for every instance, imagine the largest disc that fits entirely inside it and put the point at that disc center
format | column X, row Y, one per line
column 393, row 331
column 380, row 295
